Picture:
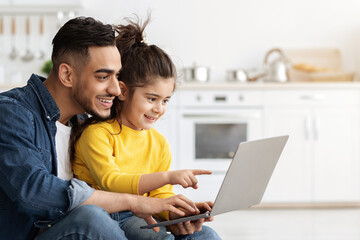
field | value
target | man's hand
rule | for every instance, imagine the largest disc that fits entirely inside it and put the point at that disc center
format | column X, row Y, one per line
column 186, row 178
column 145, row 207
column 188, row 227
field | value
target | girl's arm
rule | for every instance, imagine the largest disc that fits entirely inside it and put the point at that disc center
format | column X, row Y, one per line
column 185, row 178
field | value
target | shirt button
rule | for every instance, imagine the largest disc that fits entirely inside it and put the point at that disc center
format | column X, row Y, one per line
column 48, row 117
column 49, row 225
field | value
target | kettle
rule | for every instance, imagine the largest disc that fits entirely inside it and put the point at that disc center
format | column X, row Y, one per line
column 277, row 69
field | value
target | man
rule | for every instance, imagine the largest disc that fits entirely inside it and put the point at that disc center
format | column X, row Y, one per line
column 33, row 200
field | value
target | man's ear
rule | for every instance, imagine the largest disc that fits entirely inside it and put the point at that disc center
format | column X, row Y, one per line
column 124, row 91
column 66, row 75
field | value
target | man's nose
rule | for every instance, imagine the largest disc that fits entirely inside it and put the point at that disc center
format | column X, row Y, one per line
column 114, row 88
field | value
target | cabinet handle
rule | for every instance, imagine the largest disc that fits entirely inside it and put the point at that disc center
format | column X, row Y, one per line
column 315, row 97
column 315, row 127
column 307, row 128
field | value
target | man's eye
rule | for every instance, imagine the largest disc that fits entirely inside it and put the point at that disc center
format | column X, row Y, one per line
column 103, row 77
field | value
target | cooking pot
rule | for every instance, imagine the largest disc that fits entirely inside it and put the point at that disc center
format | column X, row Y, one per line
column 276, row 69
column 196, row 74
column 238, row 75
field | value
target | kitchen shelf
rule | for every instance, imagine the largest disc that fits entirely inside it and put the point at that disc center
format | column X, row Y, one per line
column 38, row 7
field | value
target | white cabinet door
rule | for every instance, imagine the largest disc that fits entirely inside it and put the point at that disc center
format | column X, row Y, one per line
column 321, row 160
column 291, row 180
column 336, row 159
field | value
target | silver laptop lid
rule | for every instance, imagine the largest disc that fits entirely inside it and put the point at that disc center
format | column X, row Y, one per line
column 248, row 175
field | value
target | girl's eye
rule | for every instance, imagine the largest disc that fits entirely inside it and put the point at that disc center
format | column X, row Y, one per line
column 166, row 101
column 152, row 99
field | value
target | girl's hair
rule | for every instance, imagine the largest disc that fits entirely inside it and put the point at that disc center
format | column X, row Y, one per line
column 142, row 65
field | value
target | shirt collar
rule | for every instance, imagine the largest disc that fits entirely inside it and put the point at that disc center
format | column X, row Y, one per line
column 48, row 103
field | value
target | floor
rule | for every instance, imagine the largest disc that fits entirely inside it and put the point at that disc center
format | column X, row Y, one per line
column 289, row 224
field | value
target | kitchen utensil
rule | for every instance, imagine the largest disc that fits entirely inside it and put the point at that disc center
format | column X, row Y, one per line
column 28, row 56
column 13, row 53
column 238, row 75
column 39, row 54
column 277, row 69
column 2, row 50
column 196, row 74
column 60, row 18
column 1, row 36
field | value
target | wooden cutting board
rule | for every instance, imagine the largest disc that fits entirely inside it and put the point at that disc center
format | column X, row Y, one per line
column 317, row 65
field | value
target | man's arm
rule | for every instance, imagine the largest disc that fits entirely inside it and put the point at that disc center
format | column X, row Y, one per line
column 141, row 206
column 26, row 164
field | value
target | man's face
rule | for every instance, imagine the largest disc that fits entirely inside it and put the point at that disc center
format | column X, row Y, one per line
column 97, row 85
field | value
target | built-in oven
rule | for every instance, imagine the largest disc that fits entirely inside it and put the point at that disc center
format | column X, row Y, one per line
column 210, row 126
column 208, row 138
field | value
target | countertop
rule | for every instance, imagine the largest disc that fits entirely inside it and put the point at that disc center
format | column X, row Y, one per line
column 247, row 86
column 267, row 85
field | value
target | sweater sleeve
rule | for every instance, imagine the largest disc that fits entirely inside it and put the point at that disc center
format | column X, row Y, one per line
column 96, row 150
column 167, row 190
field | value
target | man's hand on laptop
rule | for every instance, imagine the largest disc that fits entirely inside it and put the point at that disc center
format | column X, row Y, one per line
column 186, row 178
column 189, row 227
column 205, row 207
column 145, row 207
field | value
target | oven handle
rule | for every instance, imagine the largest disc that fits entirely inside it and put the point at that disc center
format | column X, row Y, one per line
column 218, row 115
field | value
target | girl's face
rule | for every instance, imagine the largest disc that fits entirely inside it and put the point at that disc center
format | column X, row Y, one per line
column 147, row 105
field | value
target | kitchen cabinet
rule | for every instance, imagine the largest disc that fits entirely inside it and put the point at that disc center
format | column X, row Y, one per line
column 321, row 160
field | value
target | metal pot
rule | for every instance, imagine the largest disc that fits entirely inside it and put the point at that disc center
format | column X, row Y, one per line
column 196, row 74
column 239, row 75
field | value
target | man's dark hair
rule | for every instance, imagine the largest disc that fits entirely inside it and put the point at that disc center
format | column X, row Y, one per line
column 71, row 43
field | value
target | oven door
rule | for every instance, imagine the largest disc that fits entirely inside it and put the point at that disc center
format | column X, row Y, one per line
column 208, row 139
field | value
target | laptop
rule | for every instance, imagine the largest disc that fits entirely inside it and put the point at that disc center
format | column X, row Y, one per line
column 246, row 178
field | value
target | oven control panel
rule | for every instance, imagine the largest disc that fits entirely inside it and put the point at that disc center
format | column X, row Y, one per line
column 200, row 98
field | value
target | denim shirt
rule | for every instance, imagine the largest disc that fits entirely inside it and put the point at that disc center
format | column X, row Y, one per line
column 31, row 196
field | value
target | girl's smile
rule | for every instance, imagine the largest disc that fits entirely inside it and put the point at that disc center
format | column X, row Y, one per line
column 147, row 104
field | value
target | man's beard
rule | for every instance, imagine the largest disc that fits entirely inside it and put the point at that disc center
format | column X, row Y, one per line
column 82, row 101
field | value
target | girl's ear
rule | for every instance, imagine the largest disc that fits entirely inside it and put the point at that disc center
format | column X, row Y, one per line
column 66, row 75
column 124, row 91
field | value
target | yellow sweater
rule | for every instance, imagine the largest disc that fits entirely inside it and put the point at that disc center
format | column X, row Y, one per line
column 109, row 160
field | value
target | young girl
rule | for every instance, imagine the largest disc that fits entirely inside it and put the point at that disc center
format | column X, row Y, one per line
column 125, row 154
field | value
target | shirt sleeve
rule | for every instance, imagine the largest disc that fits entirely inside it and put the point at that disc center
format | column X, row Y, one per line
column 79, row 192
column 96, row 147
column 25, row 168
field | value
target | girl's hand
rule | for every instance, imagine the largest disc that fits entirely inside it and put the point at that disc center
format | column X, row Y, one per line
column 186, row 178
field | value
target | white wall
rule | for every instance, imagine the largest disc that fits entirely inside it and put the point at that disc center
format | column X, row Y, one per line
column 236, row 34
column 222, row 35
